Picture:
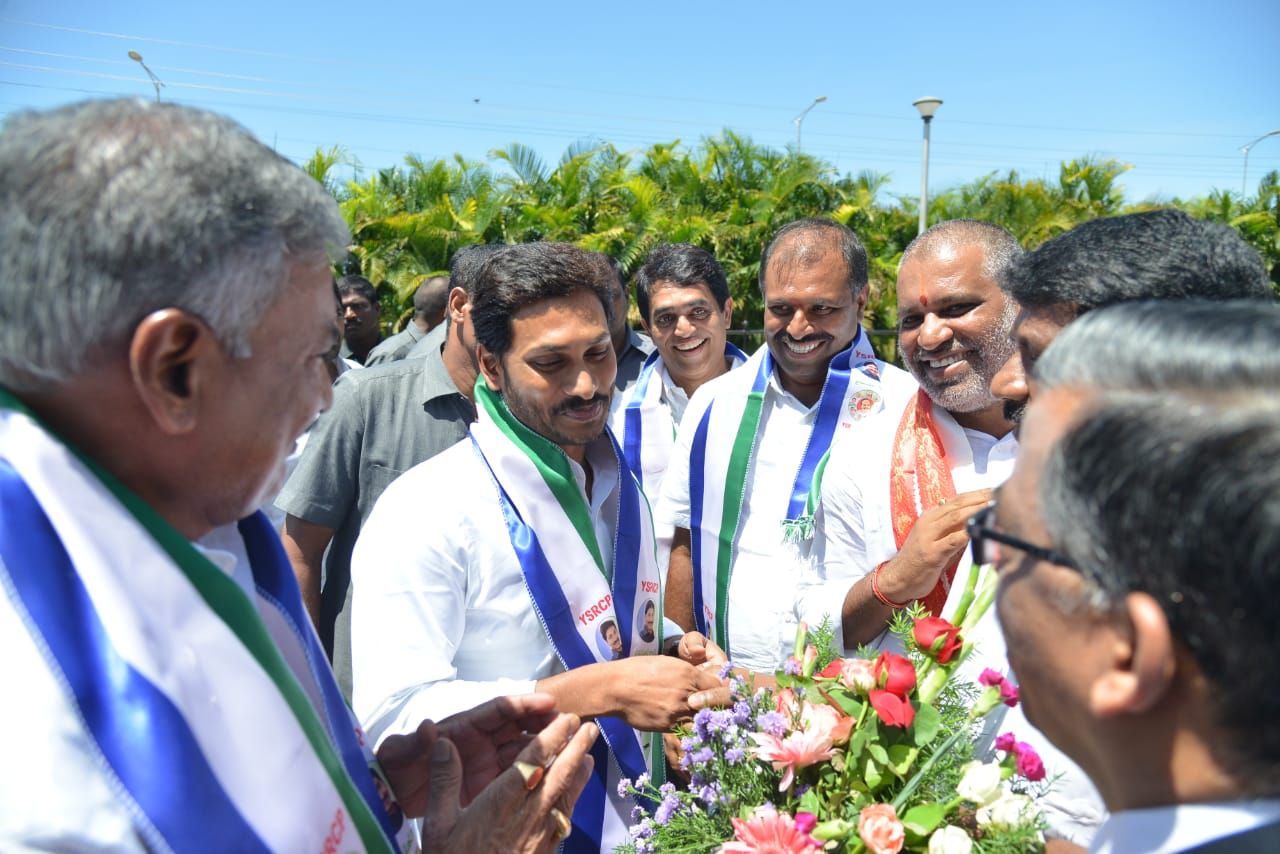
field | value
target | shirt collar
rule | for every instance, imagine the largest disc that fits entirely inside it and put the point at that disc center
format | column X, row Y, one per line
column 436, row 381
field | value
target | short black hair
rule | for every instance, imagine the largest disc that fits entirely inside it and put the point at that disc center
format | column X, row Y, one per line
column 851, row 248
column 465, row 264
column 527, row 273
column 431, row 297
column 680, row 264
column 1161, row 254
column 608, row 624
column 358, row 285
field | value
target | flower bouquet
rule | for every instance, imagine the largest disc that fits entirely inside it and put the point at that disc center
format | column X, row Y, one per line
column 874, row 753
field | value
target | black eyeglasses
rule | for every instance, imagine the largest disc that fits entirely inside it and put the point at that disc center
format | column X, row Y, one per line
column 982, row 535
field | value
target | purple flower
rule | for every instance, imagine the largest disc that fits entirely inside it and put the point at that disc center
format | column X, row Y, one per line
column 665, row 809
column 696, row 780
column 791, row 666
column 734, row 755
column 637, row 814
column 742, row 713
column 726, row 669
column 703, row 756
column 624, row 788
column 773, row 723
column 710, row 795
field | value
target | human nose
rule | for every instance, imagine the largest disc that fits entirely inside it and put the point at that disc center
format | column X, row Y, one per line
column 1010, row 382
column 584, row 384
column 349, row 311
column 684, row 326
column 934, row 332
column 799, row 326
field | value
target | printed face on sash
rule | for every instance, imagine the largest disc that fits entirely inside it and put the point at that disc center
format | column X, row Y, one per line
column 557, row 377
column 688, row 328
column 810, row 313
column 953, row 325
column 612, row 640
column 645, row 619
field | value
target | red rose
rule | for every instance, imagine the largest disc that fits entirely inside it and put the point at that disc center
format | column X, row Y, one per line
column 897, row 674
column 832, row 670
column 892, row 709
column 938, row 638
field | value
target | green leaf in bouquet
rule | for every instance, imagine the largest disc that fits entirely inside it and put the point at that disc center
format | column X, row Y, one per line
column 878, row 753
column 901, row 758
column 872, row 775
column 844, row 701
column 923, row 819
column 809, row 802
column 926, row 725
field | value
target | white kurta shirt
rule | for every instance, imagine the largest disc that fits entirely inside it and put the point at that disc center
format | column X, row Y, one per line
column 441, row 620
column 854, row 534
column 1165, row 830
column 762, row 620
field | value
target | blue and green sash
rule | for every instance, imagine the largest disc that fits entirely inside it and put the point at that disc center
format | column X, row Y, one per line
column 644, row 427
column 211, row 739
column 719, row 467
column 569, row 583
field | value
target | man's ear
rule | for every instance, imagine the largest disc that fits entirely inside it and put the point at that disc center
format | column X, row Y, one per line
column 490, row 368
column 728, row 312
column 860, row 304
column 456, row 305
column 1143, row 665
column 170, row 357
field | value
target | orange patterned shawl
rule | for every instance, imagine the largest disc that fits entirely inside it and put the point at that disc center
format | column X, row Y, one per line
column 920, row 478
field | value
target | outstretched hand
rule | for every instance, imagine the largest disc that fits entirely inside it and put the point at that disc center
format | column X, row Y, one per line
column 490, row 736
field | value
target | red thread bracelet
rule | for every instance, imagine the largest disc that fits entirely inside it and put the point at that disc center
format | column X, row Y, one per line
column 875, row 589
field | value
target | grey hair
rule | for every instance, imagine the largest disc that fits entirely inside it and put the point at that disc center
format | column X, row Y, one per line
column 1178, row 496
column 999, row 247
column 116, row 209
column 1159, row 345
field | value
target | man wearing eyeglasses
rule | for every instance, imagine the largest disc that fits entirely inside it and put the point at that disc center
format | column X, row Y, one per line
column 897, row 492
column 1138, row 541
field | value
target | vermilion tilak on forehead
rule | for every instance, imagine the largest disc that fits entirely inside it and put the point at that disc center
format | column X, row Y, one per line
column 924, row 300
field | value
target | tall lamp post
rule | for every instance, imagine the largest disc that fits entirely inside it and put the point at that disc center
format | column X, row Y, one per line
column 927, row 107
column 799, row 120
column 155, row 81
column 1244, row 182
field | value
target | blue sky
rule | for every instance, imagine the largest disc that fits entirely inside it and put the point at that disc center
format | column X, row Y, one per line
column 1173, row 88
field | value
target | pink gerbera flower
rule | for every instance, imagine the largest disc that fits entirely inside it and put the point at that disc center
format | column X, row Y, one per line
column 802, row 747
column 768, row 831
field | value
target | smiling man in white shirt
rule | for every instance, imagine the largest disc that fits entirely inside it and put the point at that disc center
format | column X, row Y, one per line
column 497, row 566
column 750, row 443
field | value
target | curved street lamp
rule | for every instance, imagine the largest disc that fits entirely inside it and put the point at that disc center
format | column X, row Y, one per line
column 799, row 120
column 1244, row 149
column 155, row 81
column 927, row 107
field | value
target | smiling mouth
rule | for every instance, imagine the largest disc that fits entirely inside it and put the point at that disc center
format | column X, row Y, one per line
column 801, row 348
column 586, row 411
column 943, row 362
column 691, row 346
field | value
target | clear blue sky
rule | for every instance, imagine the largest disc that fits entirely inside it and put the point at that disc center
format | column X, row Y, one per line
column 1174, row 87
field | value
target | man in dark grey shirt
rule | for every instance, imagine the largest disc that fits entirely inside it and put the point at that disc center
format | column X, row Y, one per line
column 385, row 420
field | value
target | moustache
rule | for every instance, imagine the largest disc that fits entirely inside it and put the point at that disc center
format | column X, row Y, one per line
column 578, row 403
column 785, row 336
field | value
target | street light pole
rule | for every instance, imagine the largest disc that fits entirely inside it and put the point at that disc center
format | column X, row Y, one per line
column 155, row 81
column 799, row 120
column 1244, row 182
column 927, row 107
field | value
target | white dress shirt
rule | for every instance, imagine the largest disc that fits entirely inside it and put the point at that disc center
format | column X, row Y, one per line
column 762, row 621
column 1168, row 829
column 441, row 620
